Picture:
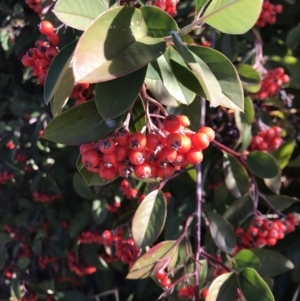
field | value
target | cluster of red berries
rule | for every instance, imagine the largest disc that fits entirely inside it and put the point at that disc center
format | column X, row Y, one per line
column 268, row 140
column 24, row 251
column 35, row 5
column 128, row 191
column 186, row 292
column 44, row 198
column 147, row 156
column 163, row 279
column 169, row 6
column 272, row 83
column 28, row 297
column 265, row 232
column 81, row 93
column 5, row 176
column 10, row 145
column 46, row 260
column 79, row 268
column 268, row 14
column 21, row 157
column 40, row 57
column 89, row 237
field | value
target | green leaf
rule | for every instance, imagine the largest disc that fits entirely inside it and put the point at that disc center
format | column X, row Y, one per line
column 198, row 5
column 158, row 22
column 293, row 38
column 202, row 72
column 149, row 219
column 250, row 78
column 253, row 286
column 281, row 202
column 79, row 125
column 99, row 211
column 183, row 73
column 37, row 246
column 79, row 222
column 225, row 73
column 274, row 184
column 221, row 232
column 159, row 91
column 223, row 288
column 246, row 259
column 60, row 81
column 174, row 88
column 230, row 46
column 106, row 59
column 138, row 117
column 91, row 178
column 236, row 177
column 239, row 210
column 15, row 288
column 295, row 162
column 92, row 258
column 152, row 261
column 113, row 98
column 272, row 262
column 284, row 152
column 244, row 127
column 262, row 164
column 79, row 14
column 249, row 113
column 232, row 16
column 82, row 188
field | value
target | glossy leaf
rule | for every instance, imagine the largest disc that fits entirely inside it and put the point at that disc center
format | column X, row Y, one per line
column 225, row 73
column 239, row 210
column 246, row 258
column 281, row 202
column 80, row 124
column 199, row 4
column 274, row 184
column 250, row 78
column 253, row 286
column 81, row 187
column 4, row 239
column 232, row 16
column 79, row 222
column 284, row 152
column 113, row 98
column 172, row 85
column 236, row 177
column 150, row 262
column 272, row 262
column 60, row 80
column 99, row 211
column 223, row 288
column 262, row 164
column 293, row 38
column 230, row 46
column 204, row 75
column 249, row 112
column 158, row 22
column 138, row 118
column 221, row 232
column 79, row 14
column 91, row 178
column 159, row 91
column 99, row 58
column 149, row 219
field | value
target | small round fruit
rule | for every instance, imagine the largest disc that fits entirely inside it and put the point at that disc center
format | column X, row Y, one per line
column 171, row 123
column 200, row 141
column 46, row 28
column 209, row 132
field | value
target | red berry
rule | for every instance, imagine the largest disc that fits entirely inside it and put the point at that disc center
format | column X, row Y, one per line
column 209, row 132
column 166, row 282
column 107, row 146
column 137, row 141
column 54, row 39
column 46, row 28
column 171, row 123
column 200, row 141
column 194, row 156
column 184, row 121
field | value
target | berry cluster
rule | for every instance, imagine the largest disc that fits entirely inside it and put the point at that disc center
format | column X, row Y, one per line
column 44, row 198
column 268, row 14
column 81, row 93
column 265, row 232
column 128, row 191
column 79, row 268
column 29, row 297
column 46, row 260
column 268, row 140
column 272, row 83
column 147, row 156
column 24, row 251
column 186, row 292
column 40, row 57
column 169, row 6
column 35, row 5
column 163, row 279
column 21, row 157
column 89, row 237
